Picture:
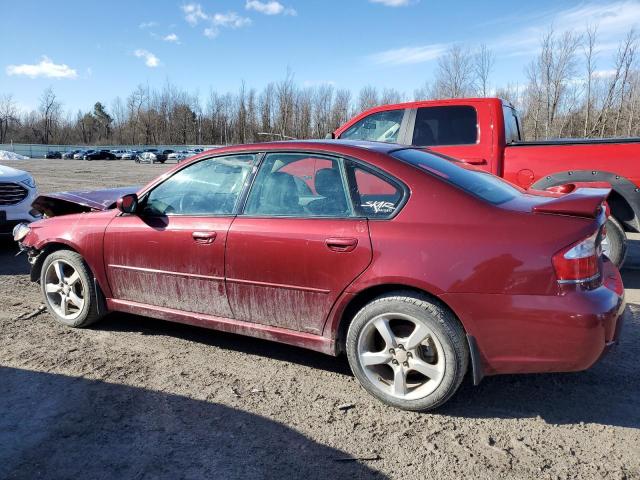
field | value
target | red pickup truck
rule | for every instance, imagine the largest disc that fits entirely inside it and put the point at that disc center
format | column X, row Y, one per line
column 486, row 132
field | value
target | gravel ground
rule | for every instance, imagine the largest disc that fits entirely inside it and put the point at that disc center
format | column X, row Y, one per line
column 139, row 398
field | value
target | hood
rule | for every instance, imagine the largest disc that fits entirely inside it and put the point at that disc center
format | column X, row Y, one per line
column 8, row 174
column 64, row 203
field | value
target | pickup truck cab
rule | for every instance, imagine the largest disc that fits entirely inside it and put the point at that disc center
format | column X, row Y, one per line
column 486, row 132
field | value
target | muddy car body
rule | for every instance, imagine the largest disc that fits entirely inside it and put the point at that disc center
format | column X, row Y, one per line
column 416, row 266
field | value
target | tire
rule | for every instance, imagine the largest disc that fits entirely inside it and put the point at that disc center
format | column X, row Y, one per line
column 617, row 239
column 446, row 337
column 83, row 288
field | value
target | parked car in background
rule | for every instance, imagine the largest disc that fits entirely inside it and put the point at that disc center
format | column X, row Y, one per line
column 118, row 153
column 70, row 155
column 17, row 192
column 130, row 155
column 418, row 267
column 180, row 155
column 81, row 153
column 153, row 155
column 53, row 154
column 485, row 132
column 99, row 155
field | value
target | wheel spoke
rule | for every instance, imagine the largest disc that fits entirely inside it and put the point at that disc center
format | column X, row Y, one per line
column 419, row 334
column 57, row 268
column 427, row 369
column 399, row 382
column 64, row 307
column 52, row 288
column 375, row 358
column 76, row 300
column 383, row 328
column 73, row 278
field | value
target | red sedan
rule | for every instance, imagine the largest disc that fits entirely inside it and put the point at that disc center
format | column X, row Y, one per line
column 416, row 266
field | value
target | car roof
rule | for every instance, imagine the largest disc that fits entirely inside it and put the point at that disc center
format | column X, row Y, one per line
column 357, row 145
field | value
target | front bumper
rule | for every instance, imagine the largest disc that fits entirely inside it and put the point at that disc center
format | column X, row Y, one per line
column 544, row 333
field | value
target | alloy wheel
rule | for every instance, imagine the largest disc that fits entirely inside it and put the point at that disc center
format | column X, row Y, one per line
column 64, row 289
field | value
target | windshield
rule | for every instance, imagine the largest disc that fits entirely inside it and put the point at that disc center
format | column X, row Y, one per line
column 483, row 185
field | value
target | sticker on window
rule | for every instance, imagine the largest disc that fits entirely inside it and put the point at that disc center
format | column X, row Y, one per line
column 379, row 206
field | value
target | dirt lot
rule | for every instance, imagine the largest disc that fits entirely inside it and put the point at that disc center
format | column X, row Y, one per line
column 140, row 398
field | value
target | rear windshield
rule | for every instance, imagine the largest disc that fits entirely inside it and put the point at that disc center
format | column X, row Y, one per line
column 484, row 185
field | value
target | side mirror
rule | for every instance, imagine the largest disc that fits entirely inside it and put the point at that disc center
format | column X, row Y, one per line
column 128, row 203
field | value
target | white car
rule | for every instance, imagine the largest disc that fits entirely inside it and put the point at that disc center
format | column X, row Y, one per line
column 17, row 192
column 119, row 153
column 181, row 155
column 129, row 155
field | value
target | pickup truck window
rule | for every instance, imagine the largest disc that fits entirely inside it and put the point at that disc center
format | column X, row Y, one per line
column 483, row 185
column 454, row 125
column 377, row 127
column 511, row 130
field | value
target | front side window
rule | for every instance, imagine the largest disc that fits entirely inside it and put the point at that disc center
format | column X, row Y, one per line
column 451, row 125
column 208, row 187
column 299, row 185
column 377, row 127
column 374, row 196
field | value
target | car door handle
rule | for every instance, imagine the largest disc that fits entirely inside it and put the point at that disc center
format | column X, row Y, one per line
column 204, row 237
column 341, row 244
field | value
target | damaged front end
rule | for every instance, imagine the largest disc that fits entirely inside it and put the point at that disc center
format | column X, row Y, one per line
column 66, row 203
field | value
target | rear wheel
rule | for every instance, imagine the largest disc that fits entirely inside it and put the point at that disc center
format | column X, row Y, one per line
column 407, row 351
column 68, row 289
column 614, row 245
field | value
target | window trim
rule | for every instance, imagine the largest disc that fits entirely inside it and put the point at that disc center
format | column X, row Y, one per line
column 145, row 194
column 412, row 125
column 331, row 156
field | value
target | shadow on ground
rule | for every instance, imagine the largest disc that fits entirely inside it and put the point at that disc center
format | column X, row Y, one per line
column 54, row 426
column 9, row 263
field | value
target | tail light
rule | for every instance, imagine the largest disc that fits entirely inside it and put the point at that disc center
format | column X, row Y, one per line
column 579, row 262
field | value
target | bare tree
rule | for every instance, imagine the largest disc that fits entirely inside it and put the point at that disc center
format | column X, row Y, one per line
column 8, row 114
column 483, row 61
column 454, row 76
column 590, row 66
column 50, row 111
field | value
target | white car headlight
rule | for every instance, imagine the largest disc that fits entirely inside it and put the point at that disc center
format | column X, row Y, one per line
column 29, row 182
column 20, row 231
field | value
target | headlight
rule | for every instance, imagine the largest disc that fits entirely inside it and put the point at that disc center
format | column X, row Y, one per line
column 29, row 182
column 20, row 231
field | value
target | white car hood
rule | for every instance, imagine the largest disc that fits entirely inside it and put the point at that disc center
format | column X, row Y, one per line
column 8, row 174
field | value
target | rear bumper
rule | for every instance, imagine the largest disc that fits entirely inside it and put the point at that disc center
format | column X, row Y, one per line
column 543, row 333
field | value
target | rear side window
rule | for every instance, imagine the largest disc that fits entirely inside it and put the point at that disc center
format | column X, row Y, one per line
column 374, row 196
column 377, row 127
column 511, row 131
column 454, row 125
column 483, row 185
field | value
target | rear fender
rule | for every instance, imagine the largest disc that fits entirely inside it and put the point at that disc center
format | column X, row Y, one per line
column 624, row 201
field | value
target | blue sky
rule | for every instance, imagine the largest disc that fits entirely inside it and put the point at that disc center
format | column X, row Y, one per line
column 97, row 50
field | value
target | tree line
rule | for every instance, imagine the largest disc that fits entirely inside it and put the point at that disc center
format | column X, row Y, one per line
column 565, row 94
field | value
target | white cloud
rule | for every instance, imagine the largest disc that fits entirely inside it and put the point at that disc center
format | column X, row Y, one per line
column 269, row 8
column 45, row 68
column 150, row 60
column 172, row 37
column 193, row 13
column 409, row 55
column 151, row 24
column 392, row 3
column 230, row 20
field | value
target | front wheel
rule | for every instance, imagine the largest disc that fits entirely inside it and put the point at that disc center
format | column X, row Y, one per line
column 408, row 351
column 614, row 244
column 68, row 290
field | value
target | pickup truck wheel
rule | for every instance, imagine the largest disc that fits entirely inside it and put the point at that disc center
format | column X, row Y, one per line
column 407, row 351
column 68, row 290
column 614, row 245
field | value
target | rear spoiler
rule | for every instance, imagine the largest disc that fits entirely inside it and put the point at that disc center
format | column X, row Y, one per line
column 582, row 202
